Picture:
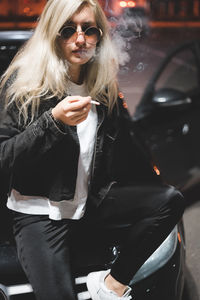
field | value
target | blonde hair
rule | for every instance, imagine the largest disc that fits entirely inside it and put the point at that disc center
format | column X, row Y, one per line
column 41, row 71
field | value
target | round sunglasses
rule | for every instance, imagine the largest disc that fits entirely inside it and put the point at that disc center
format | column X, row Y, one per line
column 70, row 34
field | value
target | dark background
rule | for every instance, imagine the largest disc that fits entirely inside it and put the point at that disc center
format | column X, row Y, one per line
column 159, row 26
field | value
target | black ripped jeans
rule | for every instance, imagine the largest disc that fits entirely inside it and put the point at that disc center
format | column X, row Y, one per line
column 138, row 224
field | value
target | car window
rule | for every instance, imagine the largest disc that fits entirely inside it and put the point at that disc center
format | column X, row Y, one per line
column 7, row 52
column 181, row 73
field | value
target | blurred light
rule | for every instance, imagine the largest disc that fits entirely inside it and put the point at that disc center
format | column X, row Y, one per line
column 179, row 237
column 121, row 95
column 156, row 170
column 125, row 105
column 123, row 3
column 131, row 4
column 26, row 10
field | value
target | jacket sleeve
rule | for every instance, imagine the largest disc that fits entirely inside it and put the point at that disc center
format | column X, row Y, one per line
column 132, row 162
column 27, row 144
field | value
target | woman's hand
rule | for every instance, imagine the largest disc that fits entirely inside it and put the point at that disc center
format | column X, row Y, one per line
column 72, row 110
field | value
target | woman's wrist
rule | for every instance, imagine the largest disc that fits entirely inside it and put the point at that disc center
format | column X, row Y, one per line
column 58, row 123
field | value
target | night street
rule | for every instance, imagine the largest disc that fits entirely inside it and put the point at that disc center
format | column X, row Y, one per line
column 145, row 32
column 145, row 55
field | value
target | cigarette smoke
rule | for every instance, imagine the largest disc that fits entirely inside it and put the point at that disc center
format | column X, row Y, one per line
column 124, row 29
column 127, row 29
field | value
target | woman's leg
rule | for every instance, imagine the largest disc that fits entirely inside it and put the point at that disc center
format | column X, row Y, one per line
column 143, row 222
column 43, row 251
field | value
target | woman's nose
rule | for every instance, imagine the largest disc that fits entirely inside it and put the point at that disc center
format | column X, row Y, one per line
column 80, row 40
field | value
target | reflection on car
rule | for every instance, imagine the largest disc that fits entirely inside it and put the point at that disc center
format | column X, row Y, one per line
column 162, row 275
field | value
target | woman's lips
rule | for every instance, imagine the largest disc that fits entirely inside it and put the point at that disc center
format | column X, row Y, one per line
column 80, row 52
column 84, row 53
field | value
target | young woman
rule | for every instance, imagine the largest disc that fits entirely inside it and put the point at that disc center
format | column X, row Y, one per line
column 74, row 165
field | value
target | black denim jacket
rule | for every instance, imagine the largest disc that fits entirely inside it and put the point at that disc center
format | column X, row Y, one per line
column 41, row 159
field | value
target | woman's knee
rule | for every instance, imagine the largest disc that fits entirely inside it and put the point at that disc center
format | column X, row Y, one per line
column 174, row 207
column 178, row 204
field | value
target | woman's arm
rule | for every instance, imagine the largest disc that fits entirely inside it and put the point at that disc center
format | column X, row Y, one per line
column 29, row 144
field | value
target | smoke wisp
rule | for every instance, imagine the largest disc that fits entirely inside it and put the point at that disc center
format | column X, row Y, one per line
column 124, row 30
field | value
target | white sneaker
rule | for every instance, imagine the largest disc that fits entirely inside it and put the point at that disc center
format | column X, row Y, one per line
column 98, row 290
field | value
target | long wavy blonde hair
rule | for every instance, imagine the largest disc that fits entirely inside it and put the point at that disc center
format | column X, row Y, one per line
column 41, row 70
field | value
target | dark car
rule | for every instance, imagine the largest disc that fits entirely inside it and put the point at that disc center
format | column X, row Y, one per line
column 161, row 277
column 10, row 42
column 167, row 117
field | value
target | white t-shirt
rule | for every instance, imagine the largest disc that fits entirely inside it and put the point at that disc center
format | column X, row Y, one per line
column 66, row 209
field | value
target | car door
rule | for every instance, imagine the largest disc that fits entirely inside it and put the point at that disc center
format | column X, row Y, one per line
column 168, row 116
column 10, row 43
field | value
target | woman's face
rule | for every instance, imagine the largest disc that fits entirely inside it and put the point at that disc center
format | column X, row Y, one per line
column 78, row 52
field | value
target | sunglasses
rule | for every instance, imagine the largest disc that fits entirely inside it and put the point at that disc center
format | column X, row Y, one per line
column 69, row 34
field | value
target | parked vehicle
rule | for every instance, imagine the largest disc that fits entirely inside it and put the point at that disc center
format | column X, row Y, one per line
column 161, row 276
column 10, row 42
column 167, row 117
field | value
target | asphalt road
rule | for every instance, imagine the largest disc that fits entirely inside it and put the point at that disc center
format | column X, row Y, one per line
column 191, row 224
column 143, row 55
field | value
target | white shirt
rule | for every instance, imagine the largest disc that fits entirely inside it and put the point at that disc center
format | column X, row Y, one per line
column 66, row 209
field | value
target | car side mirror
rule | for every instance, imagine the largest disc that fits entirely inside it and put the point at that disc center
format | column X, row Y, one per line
column 168, row 97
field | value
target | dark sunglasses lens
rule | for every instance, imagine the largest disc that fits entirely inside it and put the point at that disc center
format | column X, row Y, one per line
column 67, row 32
column 93, row 35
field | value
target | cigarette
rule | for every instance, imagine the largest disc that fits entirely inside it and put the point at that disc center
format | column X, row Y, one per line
column 95, row 102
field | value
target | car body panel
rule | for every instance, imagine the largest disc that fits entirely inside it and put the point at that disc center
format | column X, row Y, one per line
column 10, row 42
